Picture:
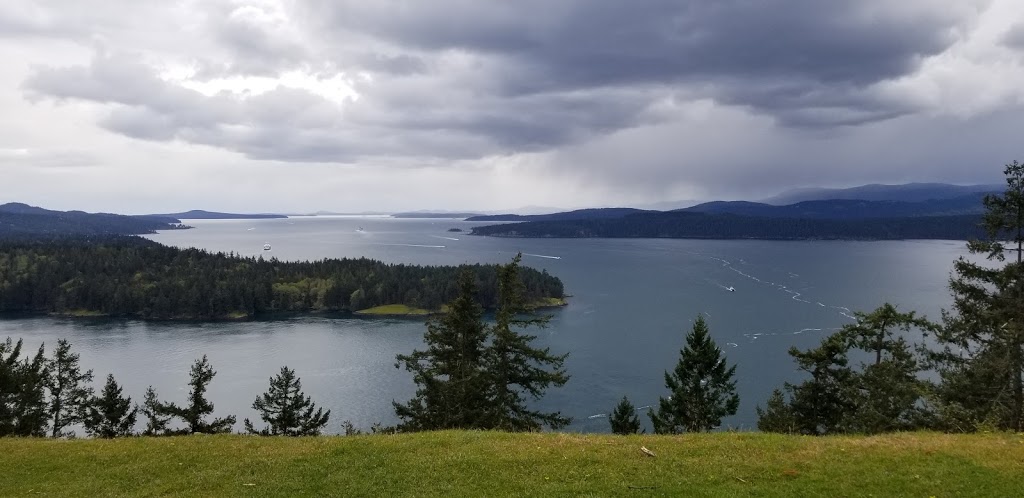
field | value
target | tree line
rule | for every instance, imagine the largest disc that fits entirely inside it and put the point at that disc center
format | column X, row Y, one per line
column 46, row 396
column 699, row 225
column 135, row 277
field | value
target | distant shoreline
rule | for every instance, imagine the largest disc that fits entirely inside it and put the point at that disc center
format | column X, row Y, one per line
column 386, row 311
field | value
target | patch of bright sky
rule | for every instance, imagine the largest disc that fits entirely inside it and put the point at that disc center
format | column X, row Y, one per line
column 337, row 89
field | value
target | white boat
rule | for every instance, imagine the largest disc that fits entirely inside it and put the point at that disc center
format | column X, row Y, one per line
column 730, row 289
column 266, row 247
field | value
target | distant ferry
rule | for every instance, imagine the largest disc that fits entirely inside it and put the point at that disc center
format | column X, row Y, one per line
column 730, row 289
column 266, row 247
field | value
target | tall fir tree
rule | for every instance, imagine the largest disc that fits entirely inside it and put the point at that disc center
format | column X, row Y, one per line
column 821, row 403
column 22, row 391
column 623, row 419
column 158, row 417
column 70, row 393
column 193, row 415
column 451, row 387
column 875, row 332
column 514, row 368
column 982, row 363
column 702, row 389
column 10, row 384
column 885, row 394
column 110, row 414
column 286, row 410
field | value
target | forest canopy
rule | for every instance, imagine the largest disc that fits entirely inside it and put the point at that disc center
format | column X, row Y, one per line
column 135, row 277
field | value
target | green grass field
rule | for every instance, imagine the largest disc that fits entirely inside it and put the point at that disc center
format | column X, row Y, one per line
column 499, row 464
column 394, row 310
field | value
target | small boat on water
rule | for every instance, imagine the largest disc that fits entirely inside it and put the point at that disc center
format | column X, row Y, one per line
column 730, row 289
column 266, row 247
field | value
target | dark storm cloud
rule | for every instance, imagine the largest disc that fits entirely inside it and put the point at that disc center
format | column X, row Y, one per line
column 809, row 45
column 466, row 79
column 296, row 125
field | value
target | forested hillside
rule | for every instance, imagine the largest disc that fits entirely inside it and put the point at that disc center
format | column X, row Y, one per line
column 682, row 224
column 29, row 222
column 850, row 208
column 129, row 276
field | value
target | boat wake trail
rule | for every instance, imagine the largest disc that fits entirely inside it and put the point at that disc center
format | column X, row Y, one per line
column 795, row 295
column 442, row 237
column 754, row 336
column 541, row 256
column 599, row 415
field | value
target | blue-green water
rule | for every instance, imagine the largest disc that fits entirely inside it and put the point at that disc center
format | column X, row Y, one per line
column 632, row 302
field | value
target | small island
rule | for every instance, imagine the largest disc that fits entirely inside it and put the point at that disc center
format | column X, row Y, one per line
column 133, row 277
column 455, row 230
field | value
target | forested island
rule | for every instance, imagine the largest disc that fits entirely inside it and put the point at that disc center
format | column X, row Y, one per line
column 199, row 214
column 697, row 225
column 137, row 278
column 19, row 220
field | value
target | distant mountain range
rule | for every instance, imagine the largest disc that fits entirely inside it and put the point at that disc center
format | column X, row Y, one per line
column 694, row 225
column 579, row 214
column 435, row 214
column 907, row 192
column 912, row 211
column 22, row 220
column 198, row 214
column 848, row 208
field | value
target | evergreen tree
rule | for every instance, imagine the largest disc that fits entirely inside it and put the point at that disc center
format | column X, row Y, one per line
column 702, row 389
column 110, row 415
column 451, row 388
column 624, row 419
column 22, row 391
column 194, row 414
column 31, row 402
column 777, row 416
column 882, row 395
column 514, row 367
column 10, row 384
column 286, row 409
column 885, row 394
column 982, row 363
column 70, row 393
column 819, row 404
column 158, row 417
column 874, row 332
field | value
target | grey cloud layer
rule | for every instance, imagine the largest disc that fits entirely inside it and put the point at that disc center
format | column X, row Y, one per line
column 463, row 79
column 807, row 49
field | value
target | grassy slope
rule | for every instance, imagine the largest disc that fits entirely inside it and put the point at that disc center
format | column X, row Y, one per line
column 496, row 464
column 394, row 310
column 404, row 310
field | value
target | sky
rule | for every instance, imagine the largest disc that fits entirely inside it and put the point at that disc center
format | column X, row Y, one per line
column 490, row 105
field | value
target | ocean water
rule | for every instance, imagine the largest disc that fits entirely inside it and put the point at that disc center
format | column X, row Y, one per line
column 632, row 302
